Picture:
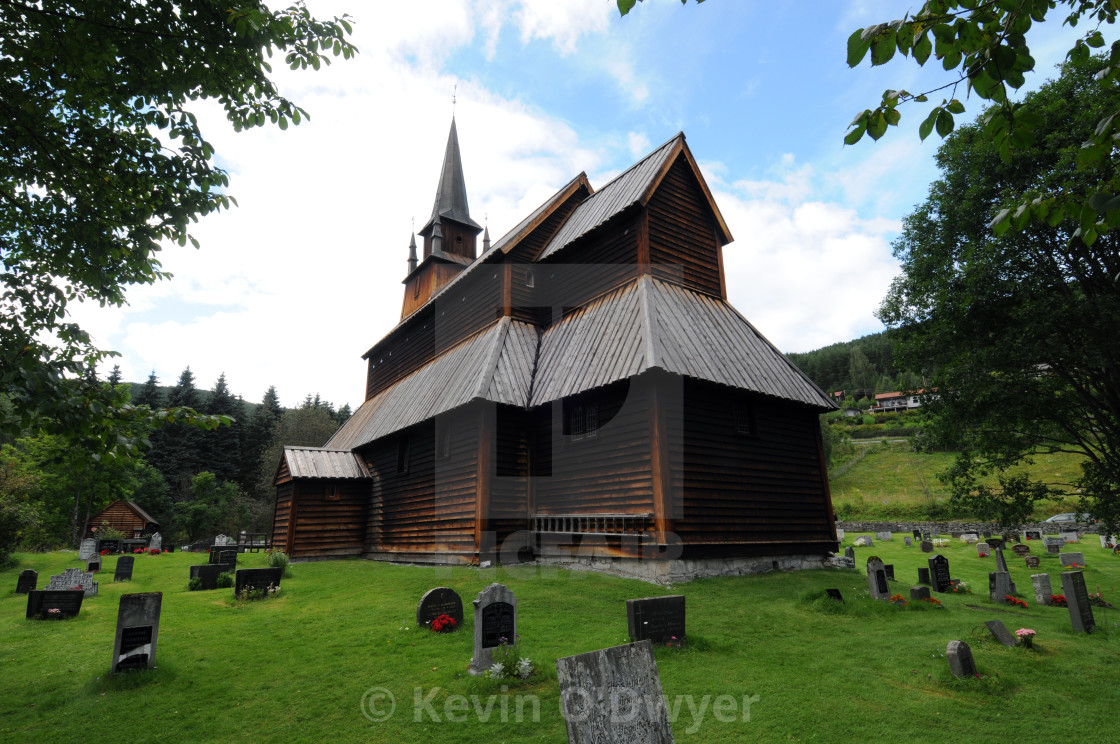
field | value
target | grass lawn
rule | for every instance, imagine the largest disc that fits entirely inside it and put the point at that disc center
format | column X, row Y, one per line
column 298, row 667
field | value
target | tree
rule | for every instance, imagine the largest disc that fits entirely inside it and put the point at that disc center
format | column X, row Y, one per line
column 221, row 448
column 985, row 45
column 177, row 449
column 258, row 433
column 307, row 426
column 1017, row 331
column 102, row 162
column 149, row 393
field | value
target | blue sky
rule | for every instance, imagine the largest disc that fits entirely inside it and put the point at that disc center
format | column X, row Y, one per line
column 293, row 286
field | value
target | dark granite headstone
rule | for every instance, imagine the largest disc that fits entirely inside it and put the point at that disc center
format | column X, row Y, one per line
column 257, row 578
column 1000, row 632
column 917, row 534
column 923, row 576
column 918, row 593
column 889, row 568
column 961, row 663
column 999, row 586
column 1021, row 550
column 1033, row 561
column 110, row 545
column 997, row 543
column 495, row 618
column 137, row 631
column 124, row 568
column 209, row 573
column 659, row 619
column 67, row 602
column 927, row 546
column 1070, row 559
column 1077, row 599
column 27, row 581
column 223, row 555
column 1001, row 563
column 439, row 601
column 939, row 573
column 835, row 594
column 613, row 695
column 1033, row 534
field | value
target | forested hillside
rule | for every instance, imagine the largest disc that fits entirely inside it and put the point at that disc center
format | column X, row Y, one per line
column 860, row 368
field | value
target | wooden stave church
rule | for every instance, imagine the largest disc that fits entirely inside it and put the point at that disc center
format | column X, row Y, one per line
column 582, row 390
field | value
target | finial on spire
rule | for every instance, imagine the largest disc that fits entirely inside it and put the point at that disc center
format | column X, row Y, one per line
column 454, row 95
column 412, row 262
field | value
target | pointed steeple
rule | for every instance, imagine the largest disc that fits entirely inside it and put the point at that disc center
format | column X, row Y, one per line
column 451, row 191
column 412, row 254
column 486, row 239
column 437, row 237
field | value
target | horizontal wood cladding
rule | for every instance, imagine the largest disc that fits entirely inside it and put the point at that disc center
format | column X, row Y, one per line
column 431, row 506
column 121, row 517
column 530, row 247
column 607, row 473
column 763, row 486
column 330, row 517
column 602, row 261
column 509, row 485
column 682, row 232
column 281, row 517
column 283, row 473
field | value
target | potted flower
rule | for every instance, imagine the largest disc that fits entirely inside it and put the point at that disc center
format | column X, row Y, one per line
column 1026, row 637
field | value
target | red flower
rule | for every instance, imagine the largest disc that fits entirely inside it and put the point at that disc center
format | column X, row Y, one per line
column 443, row 624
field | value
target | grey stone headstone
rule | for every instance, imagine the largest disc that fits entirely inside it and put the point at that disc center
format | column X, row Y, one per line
column 839, row 534
column 257, row 578
column 1068, row 559
column 1104, row 540
column 613, row 695
column 835, row 594
column 222, row 540
column 1001, row 563
column 123, row 571
column 970, row 537
column 658, row 619
column 864, row 542
column 877, row 585
column 209, row 573
column 850, row 552
column 1032, row 561
column 1042, row 589
column 983, row 550
column 439, row 601
column 40, row 602
column 1077, row 598
column 923, row 576
column 884, row 536
column 908, row 541
column 1000, row 632
column 1069, row 537
column 137, row 631
column 927, row 546
column 999, row 586
column 27, row 582
column 939, row 573
column 495, row 619
column 1021, row 550
column 1054, row 545
column 88, row 549
column 961, row 663
column 93, row 565
column 156, row 541
column 72, row 578
column 918, row 593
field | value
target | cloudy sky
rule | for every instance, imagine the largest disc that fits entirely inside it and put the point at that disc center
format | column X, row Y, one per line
column 291, row 287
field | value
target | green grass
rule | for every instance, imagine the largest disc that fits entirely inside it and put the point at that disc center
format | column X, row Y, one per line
column 891, row 482
column 296, row 667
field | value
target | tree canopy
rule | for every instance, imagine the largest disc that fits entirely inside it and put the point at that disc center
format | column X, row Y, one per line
column 102, row 163
column 1017, row 330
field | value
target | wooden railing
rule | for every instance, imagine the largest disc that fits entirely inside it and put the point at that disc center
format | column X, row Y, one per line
column 593, row 524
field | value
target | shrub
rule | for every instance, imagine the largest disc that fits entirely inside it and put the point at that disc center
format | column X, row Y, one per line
column 194, row 584
column 279, row 559
column 224, row 580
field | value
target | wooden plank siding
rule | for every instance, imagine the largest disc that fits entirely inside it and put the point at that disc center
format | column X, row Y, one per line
column 509, row 489
column 325, row 526
column 593, row 266
column 281, row 518
column 121, row 517
column 682, row 230
column 762, row 489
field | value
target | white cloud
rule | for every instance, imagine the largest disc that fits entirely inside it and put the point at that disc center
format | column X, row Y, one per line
column 562, row 22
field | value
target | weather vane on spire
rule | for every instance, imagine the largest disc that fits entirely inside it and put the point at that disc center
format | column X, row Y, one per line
column 454, row 92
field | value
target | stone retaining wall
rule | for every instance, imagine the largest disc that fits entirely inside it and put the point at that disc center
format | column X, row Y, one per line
column 944, row 528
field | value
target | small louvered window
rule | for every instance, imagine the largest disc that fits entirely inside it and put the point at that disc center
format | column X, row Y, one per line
column 584, row 423
column 743, row 418
column 332, row 492
column 404, row 454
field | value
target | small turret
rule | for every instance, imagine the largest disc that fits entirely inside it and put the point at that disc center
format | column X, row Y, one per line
column 486, row 239
column 412, row 254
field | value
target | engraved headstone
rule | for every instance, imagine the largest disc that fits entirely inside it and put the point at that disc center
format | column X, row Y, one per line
column 65, row 603
column 495, row 623
column 999, row 586
column 1104, row 541
column 1054, row 545
column 1033, row 561
column 877, row 585
column 222, row 540
column 961, row 663
column 93, row 565
column 439, row 601
column 1032, row 535
column 1070, row 559
column 923, row 576
column 1042, row 588
column 27, row 581
column 939, row 573
column 137, row 631
column 123, row 571
column 983, row 550
column 88, row 549
column 908, row 541
column 73, row 578
column 156, row 542
column 1069, row 537
column 835, row 594
column 918, row 593
column 970, row 537
column 1000, row 632
column 224, row 555
column 884, row 536
column 659, row 619
column 1021, row 550
column 252, row 579
column 1077, row 599
column 927, row 546
column 996, row 543
column 889, row 568
column 209, row 573
column 109, row 545
column 613, row 695
column 917, row 534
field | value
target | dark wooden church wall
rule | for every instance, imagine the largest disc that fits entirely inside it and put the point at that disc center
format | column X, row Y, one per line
column 280, row 519
column 509, row 491
column 329, row 527
column 682, row 232
column 456, row 478
column 763, row 487
column 592, row 266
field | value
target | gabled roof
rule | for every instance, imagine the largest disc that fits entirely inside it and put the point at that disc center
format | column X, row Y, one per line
column 451, row 191
column 635, row 185
column 651, row 324
column 320, row 462
column 140, row 512
column 495, row 364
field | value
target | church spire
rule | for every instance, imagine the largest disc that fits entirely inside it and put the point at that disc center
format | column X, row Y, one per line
column 451, row 191
column 412, row 254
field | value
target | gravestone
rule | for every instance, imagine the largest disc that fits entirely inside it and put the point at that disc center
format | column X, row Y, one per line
column 1068, row 559
column 221, row 540
column 1069, row 537
column 1077, row 598
column 1032, row 561
column 877, row 579
column 223, row 555
column 1001, row 565
column 961, row 663
column 908, row 541
column 1032, row 535
column 613, row 695
column 927, row 546
column 137, row 631
column 918, row 593
column 835, row 594
column 983, row 550
column 659, row 619
column 439, row 601
column 93, row 565
column 864, row 542
column 970, row 537
column 1054, row 545
column 495, row 622
column 1104, row 541
column 840, row 534
column 1021, row 550
column 889, row 568
column 109, row 545
column 1000, row 632
column 987, row 535
column 923, row 576
column 73, row 578
column 850, row 553
column 939, row 573
column 1042, row 589
column 27, row 581
column 156, row 542
column 917, row 534
column 124, row 568
column 67, row 602
column 996, row 543
column 250, row 579
column 209, row 573
column 884, row 536
column 88, row 549
column 999, row 586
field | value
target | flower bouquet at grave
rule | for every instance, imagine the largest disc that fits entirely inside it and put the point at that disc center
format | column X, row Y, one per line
column 1097, row 599
column 1015, row 601
column 933, row 602
column 1058, row 600
column 961, row 588
column 898, row 599
column 1072, row 565
column 153, row 551
column 443, row 624
column 1026, row 637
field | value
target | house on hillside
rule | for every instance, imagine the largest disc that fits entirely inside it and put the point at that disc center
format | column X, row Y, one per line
column 579, row 390
column 885, row 402
column 126, row 517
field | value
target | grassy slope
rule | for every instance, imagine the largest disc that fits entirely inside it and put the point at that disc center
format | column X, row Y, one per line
column 295, row 668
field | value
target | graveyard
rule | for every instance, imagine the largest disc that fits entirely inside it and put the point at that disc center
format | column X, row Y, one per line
column 767, row 657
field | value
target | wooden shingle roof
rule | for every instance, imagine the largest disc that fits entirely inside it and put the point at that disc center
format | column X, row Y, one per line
column 321, row 462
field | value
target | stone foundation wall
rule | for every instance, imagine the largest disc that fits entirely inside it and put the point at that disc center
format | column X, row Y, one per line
column 684, row 570
column 944, row 528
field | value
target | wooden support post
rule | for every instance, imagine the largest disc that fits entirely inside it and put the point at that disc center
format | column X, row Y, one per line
column 642, row 229
column 485, row 470
column 660, row 463
column 291, row 536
